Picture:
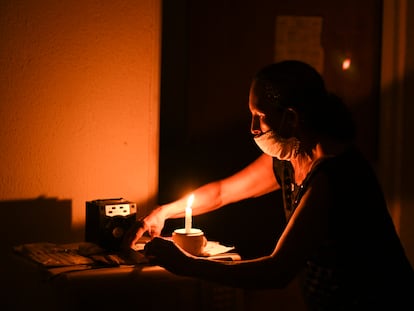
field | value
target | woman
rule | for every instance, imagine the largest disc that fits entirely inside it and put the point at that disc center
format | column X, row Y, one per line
column 339, row 237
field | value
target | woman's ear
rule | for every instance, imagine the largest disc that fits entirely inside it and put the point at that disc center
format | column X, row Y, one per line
column 289, row 123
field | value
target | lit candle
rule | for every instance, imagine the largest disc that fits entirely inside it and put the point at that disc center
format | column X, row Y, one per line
column 188, row 214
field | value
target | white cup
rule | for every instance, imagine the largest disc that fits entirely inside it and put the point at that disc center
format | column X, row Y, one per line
column 192, row 242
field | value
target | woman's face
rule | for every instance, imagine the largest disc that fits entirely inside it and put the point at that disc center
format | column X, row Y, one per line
column 270, row 125
column 265, row 116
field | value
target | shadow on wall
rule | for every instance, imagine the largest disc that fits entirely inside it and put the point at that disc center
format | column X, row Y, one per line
column 36, row 220
column 27, row 221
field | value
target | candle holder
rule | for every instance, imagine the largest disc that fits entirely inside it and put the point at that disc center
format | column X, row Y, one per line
column 192, row 241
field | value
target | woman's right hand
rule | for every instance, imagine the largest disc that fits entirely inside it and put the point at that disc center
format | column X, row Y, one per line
column 153, row 223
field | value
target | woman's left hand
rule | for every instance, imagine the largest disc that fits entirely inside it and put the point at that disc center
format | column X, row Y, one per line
column 167, row 254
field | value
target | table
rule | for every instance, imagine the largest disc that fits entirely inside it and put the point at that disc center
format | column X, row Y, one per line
column 141, row 287
column 145, row 287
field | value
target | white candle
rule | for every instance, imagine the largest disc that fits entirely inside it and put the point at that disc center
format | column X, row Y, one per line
column 188, row 214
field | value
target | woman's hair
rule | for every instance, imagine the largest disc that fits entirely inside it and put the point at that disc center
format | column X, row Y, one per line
column 295, row 84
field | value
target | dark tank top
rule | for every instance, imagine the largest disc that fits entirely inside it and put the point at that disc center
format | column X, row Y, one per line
column 362, row 263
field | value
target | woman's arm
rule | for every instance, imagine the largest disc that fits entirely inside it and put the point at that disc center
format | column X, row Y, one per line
column 305, row 232
column 254, row 180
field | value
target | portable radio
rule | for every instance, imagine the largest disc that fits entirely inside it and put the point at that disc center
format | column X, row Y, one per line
column 107, row 221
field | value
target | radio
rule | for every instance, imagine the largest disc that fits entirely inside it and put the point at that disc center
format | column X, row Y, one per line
column 107, row 221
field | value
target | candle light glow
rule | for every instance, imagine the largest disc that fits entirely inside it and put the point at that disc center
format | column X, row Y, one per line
column 346, row 64
column 188, row 214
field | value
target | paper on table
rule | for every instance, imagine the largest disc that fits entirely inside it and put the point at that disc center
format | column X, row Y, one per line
column 214, row 248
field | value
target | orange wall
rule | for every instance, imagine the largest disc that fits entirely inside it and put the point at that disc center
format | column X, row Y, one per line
column 79, row 109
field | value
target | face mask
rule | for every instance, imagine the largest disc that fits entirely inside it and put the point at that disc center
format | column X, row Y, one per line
column 281, row 148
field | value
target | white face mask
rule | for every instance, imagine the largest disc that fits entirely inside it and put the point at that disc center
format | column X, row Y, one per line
column 281, row 148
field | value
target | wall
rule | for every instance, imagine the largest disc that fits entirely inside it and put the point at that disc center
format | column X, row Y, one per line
column 396, row 148
column 407, row 218
column 79, row 111
column 79, row 121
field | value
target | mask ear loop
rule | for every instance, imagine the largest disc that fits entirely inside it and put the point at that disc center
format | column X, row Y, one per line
column 290, row 119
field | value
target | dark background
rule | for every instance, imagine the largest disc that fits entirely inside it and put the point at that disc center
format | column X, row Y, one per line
column 210, row 51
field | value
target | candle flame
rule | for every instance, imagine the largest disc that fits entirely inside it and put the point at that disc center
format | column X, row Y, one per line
column 190, row 200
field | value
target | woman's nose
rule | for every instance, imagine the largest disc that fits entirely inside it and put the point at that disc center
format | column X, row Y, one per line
column 255, row 128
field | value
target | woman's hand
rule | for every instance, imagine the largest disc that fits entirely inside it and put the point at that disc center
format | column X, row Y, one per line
column 152, row 223
column 167, row 254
